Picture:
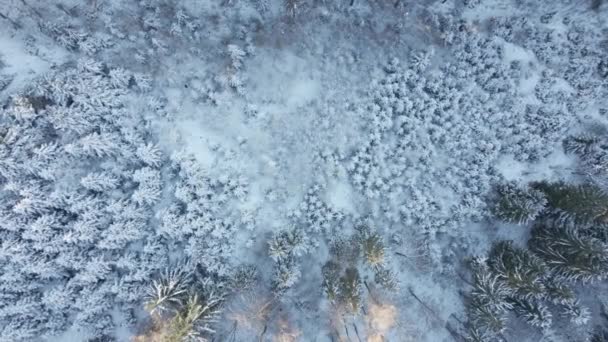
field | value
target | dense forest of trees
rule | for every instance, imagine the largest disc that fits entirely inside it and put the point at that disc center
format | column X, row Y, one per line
column 288, row 222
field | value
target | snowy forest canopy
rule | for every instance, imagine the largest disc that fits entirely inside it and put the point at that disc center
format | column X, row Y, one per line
column 303, row 170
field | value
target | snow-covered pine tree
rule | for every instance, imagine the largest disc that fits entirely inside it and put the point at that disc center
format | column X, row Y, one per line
column 485, row 319
column 149, row 189
column 287, row 273
column 278, row 248
column 99, row 181
column 518, row 204
column 577, row 313
column 533, row 312
column 168, row 292
column 491, row 291
column 559, row 293
column 580, row 203
column 331, row 280
column 244, row 278
column 193, row 321
column 184, row 304
column 286, row 243
column 150, row 154
column 520, row 270
column 569, row 255
column 475, row 334
column 346, row 250
column 350, row 290
column 386, row 278
column 372, row 246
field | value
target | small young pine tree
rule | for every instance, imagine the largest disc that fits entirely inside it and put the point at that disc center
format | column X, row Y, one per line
column 350, row 290
column 372, row 246
column 519, row 205
column 287, row 273
column 331, row 280
column 345, row 250
column 244, row 278
column 384, row 277
column 288, row 243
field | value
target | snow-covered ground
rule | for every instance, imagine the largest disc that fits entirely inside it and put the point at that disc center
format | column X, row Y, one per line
column 401, row 115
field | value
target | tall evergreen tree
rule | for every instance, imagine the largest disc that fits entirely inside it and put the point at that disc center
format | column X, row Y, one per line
column 486, row 318
column 580, row 203
column 519, row 269
column 569, row 255
column 518, row 204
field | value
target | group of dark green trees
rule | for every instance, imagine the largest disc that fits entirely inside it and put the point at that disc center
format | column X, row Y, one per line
column 568, row 247
column 342, row 281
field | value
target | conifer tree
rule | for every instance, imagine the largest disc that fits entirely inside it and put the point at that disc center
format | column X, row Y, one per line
column 533, row 312
column 244, row 278
column 193, row 322
column 384, row 277
column 184, row 305
column 519, row 205
column 350, row 290
column 519, row 269
column 167, row 293
column 570, row 255
column 287, row 273
column 346, row 249
column 580, row 144
column 372, row 246
column 288, row 243
column 331, row 280
column 559, row 293
column 485, row 318
column 491, row 291
column 577, row 313
column 475, row 334
column 579, row 203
